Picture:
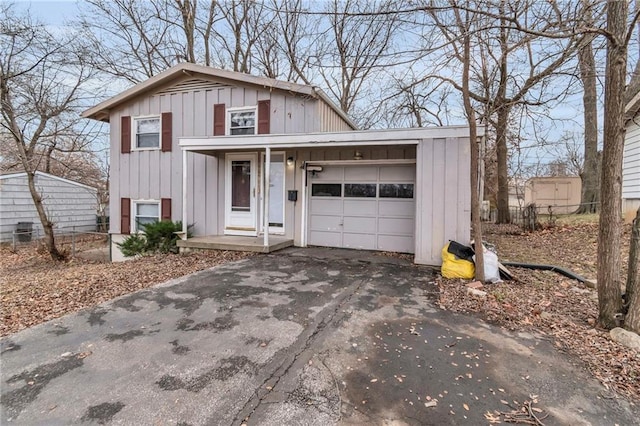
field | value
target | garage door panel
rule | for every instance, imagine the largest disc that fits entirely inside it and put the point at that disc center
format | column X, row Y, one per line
column 361, row 174
column 399, row 173
column 329, row 173
column 328, row 239
column 396, row 226
column 396, row 243
column 397, row 208
column 359, row 224
column 326, row 223
column 359, row 241
column 327, row 206
column 360, row 207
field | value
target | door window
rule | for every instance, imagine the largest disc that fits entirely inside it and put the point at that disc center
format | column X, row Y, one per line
column 241, row 186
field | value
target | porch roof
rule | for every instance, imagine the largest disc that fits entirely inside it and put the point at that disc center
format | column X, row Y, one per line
column 329, row 139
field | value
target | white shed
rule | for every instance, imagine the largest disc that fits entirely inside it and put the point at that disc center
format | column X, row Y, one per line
column 70, row 205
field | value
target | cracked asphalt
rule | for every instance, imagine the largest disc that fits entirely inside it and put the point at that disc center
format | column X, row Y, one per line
column 303, row 336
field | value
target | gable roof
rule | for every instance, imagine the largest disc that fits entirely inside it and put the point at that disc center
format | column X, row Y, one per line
column 47, row 175
column 101, row 111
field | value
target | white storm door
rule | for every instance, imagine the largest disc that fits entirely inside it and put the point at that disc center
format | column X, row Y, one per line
column 276, row 192
column 240, row 194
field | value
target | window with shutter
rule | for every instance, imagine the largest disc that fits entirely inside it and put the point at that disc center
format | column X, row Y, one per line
column 125, row 134
column 165, row 207
column 167, row 128
column 264, row 117
column 219, row 112
column 125, row 215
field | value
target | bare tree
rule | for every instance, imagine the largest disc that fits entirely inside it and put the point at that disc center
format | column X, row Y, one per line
column 589, row 173
column 618, row 34
column 127, row 38
column 358, row 44
column 514, row 68
column 40, row 88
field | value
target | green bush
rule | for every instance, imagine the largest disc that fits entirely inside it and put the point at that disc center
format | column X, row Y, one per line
column 133, row 245
column 156, row 237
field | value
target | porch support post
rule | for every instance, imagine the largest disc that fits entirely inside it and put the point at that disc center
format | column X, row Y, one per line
column 184, row 194
column 265, row 207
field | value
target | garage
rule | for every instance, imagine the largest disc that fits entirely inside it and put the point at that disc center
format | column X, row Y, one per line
column 369, row 207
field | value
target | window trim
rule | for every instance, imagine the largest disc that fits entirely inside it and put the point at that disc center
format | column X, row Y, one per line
column 134, row 213
column 227, row 127
column 134, row 133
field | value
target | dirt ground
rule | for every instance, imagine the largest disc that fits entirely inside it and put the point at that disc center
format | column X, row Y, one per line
column 548, row 303
column 34, row 289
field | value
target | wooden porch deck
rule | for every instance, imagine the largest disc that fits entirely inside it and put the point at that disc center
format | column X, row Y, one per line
column 236, row 243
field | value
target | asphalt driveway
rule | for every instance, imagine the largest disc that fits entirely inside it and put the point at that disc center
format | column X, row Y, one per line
column 302, row 336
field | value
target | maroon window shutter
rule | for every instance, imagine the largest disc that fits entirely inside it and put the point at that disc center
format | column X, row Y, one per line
column 167, row 126
column 264, row 117
column 165, row 209
column 125, row 215
column 218, row 119
column 125, row 134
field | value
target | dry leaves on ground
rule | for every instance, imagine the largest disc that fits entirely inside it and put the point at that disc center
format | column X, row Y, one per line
column 34, row 289
column 550, row 303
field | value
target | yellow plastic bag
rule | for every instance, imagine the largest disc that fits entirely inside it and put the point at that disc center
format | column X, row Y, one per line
column 452, row 267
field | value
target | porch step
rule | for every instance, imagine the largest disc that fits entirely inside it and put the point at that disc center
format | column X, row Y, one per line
column 235, row 243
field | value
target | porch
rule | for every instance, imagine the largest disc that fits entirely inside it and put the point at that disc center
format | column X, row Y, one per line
column 236, row 243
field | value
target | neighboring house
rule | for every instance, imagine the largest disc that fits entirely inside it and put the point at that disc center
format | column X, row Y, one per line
column 562, row 193
column 69, row 205
column 631, row 160
column 234, row 154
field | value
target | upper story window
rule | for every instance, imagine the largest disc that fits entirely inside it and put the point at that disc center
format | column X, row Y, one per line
column 242, row 121
column 146, row 132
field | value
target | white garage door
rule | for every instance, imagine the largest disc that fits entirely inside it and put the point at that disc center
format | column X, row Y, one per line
column 368, row 207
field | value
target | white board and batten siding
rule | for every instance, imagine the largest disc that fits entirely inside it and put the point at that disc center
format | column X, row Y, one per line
column 153, row 175
column 70, row 205
column 443, row 208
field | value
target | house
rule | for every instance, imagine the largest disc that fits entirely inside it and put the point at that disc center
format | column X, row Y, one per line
column 560, row 193
column 235, row 155
column 631, row 160
column 71, row 206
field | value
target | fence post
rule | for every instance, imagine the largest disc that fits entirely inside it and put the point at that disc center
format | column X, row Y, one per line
column 73, row 241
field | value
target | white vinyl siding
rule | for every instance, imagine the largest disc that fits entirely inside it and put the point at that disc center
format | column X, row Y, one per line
column 70, row 205
column 631, row 162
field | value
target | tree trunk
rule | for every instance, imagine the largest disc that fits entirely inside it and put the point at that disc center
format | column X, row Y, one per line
column 47, row 226
column 504, row 215
column 610, row 224
column 632, row 321
column 474, row 145
column 589, row 175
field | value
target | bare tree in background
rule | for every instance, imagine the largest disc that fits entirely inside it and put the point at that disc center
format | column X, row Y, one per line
column 514, row 67
column 127, row 38
column 589, row 196
column 40, row 89
column 359, row 40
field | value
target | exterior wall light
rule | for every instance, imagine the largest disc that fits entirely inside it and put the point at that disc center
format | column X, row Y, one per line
column 290, row 161
column 357, row 155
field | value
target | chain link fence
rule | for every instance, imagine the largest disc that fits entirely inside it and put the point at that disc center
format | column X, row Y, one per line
column 71, row 240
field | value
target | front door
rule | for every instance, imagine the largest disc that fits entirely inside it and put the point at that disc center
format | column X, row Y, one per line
column 240, row 194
